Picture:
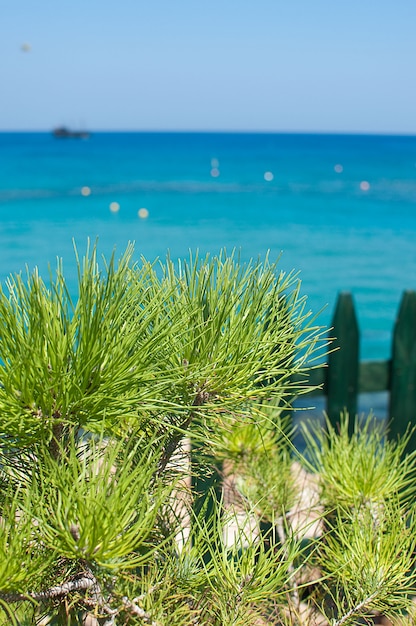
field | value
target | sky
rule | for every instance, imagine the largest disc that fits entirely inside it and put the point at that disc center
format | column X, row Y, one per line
column 213, row 65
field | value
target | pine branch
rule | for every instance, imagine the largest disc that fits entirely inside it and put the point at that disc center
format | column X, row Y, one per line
column 86, row 581
column 356, row 610
column 134, row 609
column 83, row 583
column 201, row 398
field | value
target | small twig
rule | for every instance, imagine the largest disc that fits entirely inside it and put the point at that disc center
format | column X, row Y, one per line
column 173, row 444
column 134, row 609
column 151, row 590
column 246, row 581
column 58, row 591
column 84, row 583
column 57, row 433
column 355, row 610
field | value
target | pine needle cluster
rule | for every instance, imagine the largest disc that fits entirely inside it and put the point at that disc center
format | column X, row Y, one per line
column 146, row 464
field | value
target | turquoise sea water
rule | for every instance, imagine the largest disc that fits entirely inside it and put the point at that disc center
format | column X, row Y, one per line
column 340, row 208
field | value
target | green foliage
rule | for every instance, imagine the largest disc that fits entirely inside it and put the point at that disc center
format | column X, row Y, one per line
column 99, row 502
column 142, row 340
column 369, row 560
column 367, row 488
column 259, row 455
column 22, row 554
column 77, row 364
column 105, row 509
column 240, row 332
column 362, row 467
column 246, row 576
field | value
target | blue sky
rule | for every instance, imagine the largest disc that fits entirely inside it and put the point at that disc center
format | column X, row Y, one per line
column 249, row 65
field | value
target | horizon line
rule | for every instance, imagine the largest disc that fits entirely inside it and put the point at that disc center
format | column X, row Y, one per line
column 224, row 131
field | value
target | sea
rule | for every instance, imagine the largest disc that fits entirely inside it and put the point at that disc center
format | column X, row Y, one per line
column 338, row 209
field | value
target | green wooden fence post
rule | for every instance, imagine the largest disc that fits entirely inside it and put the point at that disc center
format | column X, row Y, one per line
column 402, row 409
column 343, row 361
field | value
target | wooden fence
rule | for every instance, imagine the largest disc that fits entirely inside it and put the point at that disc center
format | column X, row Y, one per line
column 344, row 376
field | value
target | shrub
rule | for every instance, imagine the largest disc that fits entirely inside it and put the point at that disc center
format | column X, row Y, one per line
column 123, row 412
column 98, row 392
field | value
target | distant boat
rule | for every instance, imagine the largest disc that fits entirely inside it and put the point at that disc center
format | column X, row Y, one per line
column 62, row 132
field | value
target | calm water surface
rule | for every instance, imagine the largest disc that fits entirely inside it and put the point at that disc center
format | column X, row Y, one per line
column 340, row 209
